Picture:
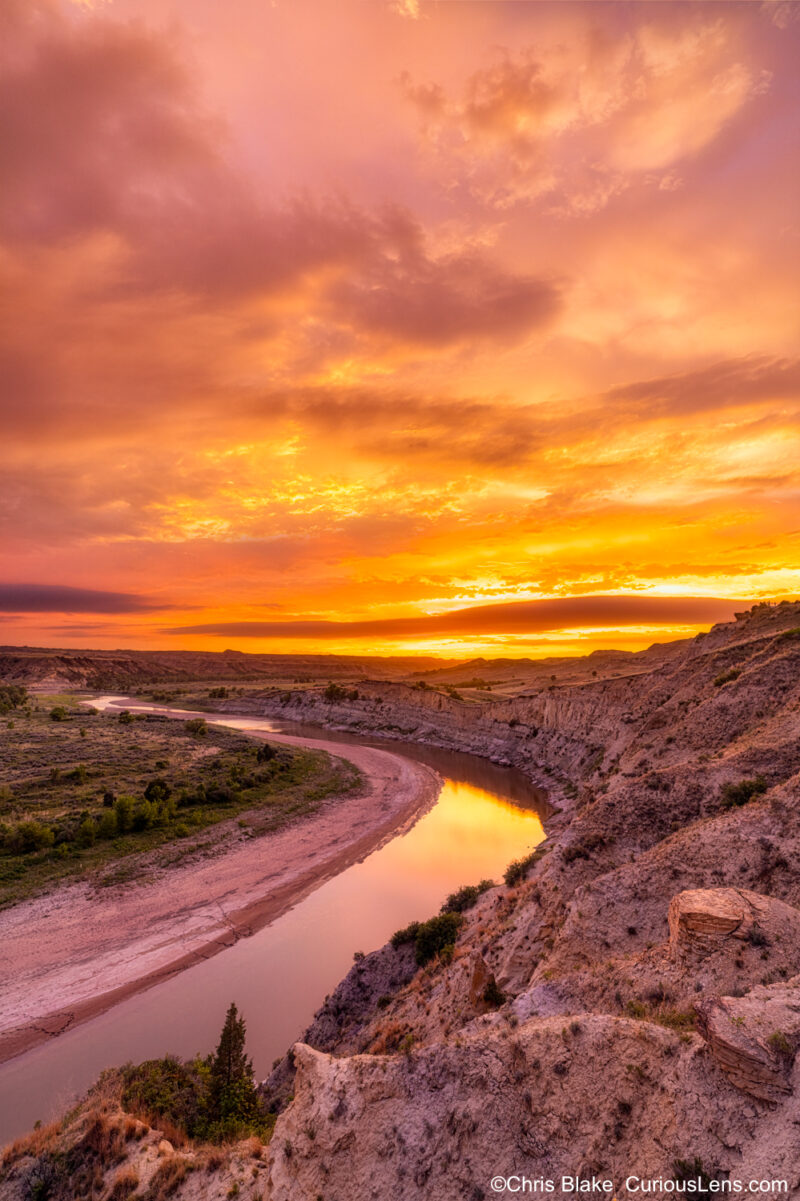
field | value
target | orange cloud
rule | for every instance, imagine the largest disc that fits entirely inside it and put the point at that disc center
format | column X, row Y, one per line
column 583, row 118
column 258, row 350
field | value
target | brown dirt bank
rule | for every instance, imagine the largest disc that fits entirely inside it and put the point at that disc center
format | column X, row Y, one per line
column 72, row 953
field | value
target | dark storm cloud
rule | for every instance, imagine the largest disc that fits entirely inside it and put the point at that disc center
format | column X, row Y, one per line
column 56, row 598
column 516, row 617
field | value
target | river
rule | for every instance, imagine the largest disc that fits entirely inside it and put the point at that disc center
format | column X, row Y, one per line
column 484, row 817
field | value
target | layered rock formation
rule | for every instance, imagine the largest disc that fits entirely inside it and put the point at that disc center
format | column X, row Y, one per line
column 702, row 921
column 754, row 1039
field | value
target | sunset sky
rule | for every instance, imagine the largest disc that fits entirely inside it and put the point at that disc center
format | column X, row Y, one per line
column 324, row 319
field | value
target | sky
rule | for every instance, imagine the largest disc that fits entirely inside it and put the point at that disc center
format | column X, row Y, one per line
column 396, row 326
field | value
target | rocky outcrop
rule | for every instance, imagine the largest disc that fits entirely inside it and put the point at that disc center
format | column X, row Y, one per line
column 754, row 1039
column 702, row 921
column 481, row 984
column 342, row 1018
column 544, row 1100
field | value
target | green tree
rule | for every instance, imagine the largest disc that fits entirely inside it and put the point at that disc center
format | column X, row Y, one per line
column 87, row 832
column 29, row 836
column 157, row 790
column 144, row 815
column 107, row 826
column 12, row 696
column 123, row 808
column 234, row 1100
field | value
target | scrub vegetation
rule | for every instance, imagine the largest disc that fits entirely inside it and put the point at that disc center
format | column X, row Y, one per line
column 82, row 790
column 211, row 1097
column 146, row 1129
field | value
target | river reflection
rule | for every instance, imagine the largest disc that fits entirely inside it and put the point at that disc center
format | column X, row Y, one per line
column 484, row 817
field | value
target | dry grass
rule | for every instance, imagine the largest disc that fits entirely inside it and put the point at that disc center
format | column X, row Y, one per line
column 174, row 1134
column 166, row 1178
column 34, row 1144
column 214, row 1158
column 105, row 1136
column 134, row 1128
column 389, row 1038
column 125, row 1184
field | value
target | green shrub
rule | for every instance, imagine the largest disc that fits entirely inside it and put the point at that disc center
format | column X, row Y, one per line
column 465, row 897
column 220, row 794
column 434, row 935
column 169, row 1088
column 86, row 833
column 157, row 790
column 144, row 816
column 493, row 995
column 334, row 693
column 27, row 837
column 584, row 848
column 58, row 713
column 123, row 810
column 655, row 1010
column 430, row 938
column 518, row 869
column 782, row 1046
column 196, row 726
column 12, row 696
column 726, row 676
column 735, row 795
column 107, row 825
column 407, row 934
column 125, row 718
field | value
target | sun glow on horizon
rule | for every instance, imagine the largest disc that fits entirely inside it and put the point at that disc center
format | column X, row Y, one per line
column 379, row 312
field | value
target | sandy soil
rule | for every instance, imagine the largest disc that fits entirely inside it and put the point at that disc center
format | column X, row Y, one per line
column 75, row 952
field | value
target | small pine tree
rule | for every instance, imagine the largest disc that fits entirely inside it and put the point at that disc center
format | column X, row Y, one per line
column 234, row 1099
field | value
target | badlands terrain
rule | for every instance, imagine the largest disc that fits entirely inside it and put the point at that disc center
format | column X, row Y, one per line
column 626, row 1004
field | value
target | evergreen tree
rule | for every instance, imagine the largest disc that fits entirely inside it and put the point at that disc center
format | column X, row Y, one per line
column 233, row 1093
